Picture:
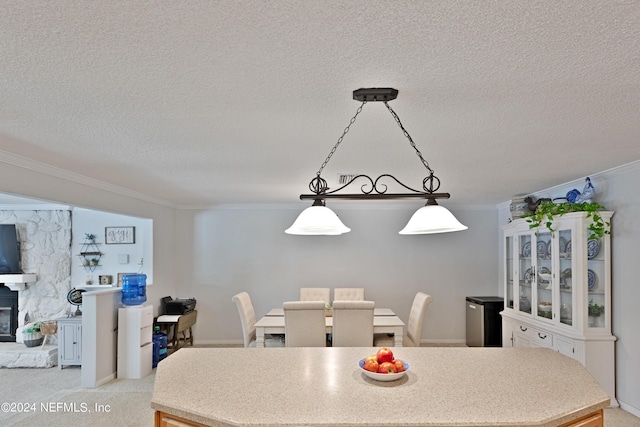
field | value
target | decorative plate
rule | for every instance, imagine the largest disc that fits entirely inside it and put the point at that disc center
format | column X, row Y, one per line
column 541, row 248
column 562, row 244
column 591, row 279
column 383, row 377
column 567, row 249
column 593, row 248
column 527, row 275
column 565, row 279
column 526, row 249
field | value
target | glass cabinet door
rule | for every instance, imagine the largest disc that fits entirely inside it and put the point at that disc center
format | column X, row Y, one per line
column 565, row 266
column 509, row 271
column 544, row 278
column 596, row 286
column 526, row 272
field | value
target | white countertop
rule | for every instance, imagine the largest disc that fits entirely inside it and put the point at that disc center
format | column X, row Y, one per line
column 324, row 387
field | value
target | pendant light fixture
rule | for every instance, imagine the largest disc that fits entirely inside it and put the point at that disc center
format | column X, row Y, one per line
column 320, row 220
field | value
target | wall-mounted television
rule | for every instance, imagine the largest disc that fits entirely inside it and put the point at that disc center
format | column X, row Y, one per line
column 9, row 250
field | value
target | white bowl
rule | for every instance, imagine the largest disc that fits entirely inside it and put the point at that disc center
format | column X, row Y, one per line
column 383, row 377
column 545, row 276
column 544, row 308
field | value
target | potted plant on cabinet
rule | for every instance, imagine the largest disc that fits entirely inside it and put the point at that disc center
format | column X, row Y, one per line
column 90, row 237
column 595, row 311
column 95, row 261
column 548, row 210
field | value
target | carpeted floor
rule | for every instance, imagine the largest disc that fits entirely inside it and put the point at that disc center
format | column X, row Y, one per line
column 54, row 398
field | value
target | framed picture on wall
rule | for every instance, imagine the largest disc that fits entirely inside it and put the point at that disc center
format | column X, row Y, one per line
column 120, row 275
column 119, row 235
column 105, row 280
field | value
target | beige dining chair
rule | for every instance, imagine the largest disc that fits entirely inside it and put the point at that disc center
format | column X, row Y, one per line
column 248, row 320
column 316, row 294
column 348, row 294
column 352, row 323
column 414, row 326
column 304, row 324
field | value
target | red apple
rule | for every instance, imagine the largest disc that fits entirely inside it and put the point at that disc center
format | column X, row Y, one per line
column 370, row 365
column 387, row 368
column 384, row 355
column 399, row 364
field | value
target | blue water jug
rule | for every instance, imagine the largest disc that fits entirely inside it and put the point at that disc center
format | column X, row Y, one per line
column 159, row 346
column 134, row 289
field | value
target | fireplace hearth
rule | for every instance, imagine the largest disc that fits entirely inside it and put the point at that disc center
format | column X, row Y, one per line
column 8, row 314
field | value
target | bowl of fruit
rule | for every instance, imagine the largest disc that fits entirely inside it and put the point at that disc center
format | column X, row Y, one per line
column 382, row 366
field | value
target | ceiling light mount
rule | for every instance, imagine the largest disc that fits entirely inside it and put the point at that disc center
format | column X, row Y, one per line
column 379, row 94
column 376, row 189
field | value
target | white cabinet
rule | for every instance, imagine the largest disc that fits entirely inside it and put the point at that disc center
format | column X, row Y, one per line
column 135, row 345
column 553, row 282
column 69, row 341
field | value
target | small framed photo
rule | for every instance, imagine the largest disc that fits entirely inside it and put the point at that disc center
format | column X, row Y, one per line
column 119, row 235
column 120, row 275
column 105, row 280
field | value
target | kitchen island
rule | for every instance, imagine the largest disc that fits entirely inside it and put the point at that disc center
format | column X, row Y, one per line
column 325, row 387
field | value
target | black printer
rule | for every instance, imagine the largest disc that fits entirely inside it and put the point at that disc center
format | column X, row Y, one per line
column 180, row 305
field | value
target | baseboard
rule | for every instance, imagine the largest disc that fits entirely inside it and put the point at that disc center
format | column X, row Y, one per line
column 218, row 342
column 630, row 409
column 106, row 379
column 444, row 343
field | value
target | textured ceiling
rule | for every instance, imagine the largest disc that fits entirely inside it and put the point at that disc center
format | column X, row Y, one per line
column 201, row 102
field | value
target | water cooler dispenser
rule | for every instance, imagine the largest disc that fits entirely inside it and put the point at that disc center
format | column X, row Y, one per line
column 135, row 344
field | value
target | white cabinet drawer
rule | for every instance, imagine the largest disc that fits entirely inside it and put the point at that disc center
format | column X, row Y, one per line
column 524, row 330
column 542, row 338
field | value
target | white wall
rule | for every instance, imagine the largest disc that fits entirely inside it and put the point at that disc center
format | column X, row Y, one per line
column 94, row 222
column 230, row 249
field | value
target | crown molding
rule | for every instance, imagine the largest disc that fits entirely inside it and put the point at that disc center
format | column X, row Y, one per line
column 53, row 171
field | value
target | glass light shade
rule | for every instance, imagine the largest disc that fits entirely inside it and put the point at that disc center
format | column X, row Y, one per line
column 432, row 219
column 317, row 220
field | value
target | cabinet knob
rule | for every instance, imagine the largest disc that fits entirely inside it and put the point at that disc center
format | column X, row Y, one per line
column 541, row 336
column 523, row 329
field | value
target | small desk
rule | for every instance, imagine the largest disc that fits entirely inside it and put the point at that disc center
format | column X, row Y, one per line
column 376, row 312
column 381, row 325
column 173, row 325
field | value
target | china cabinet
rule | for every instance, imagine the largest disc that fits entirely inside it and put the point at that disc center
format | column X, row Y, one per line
column 557, row 287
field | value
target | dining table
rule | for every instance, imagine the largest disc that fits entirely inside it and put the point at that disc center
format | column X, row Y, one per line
column 385, row 321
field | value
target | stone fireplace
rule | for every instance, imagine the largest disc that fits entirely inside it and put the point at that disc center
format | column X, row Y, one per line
column 8, row 314
column 45, row 242
column 10, row 287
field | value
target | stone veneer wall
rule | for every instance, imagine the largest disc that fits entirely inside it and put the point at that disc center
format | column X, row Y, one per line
column 45, row 243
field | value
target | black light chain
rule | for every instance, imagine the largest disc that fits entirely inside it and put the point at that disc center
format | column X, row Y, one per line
column 406, row 134
column 335, row 147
